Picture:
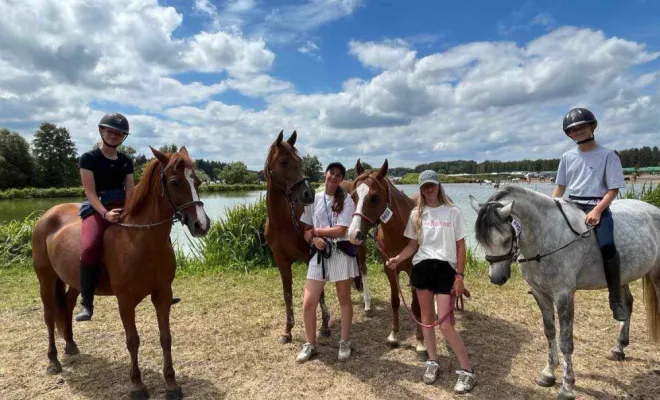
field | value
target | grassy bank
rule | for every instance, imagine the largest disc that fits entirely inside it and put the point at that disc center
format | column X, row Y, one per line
column 44, row 193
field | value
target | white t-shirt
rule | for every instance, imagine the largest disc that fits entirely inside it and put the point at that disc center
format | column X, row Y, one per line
column 442, row 227
column 321, row 209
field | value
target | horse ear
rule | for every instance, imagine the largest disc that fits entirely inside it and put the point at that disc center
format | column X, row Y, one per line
column 359, row 169
column 505, row 212
column 279, row 138
column 292, row 139
column 383, row 170
column 183, row 150
column 163, row 158
column 475, row 204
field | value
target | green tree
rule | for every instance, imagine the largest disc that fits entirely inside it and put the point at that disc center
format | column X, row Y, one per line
column 168, row 148
column 237, row 173
column 350, row 173
column 312, row 167
column 16, row 164
column 55, row 157
column 202, row 175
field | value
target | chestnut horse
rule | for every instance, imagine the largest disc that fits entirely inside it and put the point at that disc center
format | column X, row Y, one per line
column 137, row 259
column 373, row 194
column 288, row 191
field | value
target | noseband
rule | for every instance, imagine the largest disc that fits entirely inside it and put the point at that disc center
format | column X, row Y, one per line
column 387, row 214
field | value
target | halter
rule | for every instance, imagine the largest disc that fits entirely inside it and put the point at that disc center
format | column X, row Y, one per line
column 287, row 190
column 178, row 215
column 385, row 216
column 516, row 229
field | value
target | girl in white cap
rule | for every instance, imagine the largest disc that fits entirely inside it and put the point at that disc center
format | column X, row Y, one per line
column 436, row 230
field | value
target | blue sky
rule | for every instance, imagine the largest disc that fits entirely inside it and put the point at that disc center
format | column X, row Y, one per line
column 411, row 81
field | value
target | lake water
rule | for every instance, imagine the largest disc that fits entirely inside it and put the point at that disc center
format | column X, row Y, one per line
column 216, row 204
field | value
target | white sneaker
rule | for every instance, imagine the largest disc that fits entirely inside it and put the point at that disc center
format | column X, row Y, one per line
column 466, row 381
column 432, row 372
column 308, row 351
column 344, row 350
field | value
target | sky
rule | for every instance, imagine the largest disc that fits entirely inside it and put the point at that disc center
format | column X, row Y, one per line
column 411, row 81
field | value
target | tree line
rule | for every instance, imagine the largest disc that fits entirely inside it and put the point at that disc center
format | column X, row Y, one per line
column 51, row 161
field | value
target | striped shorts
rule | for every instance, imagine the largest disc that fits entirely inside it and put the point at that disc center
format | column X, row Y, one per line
column 338, row 267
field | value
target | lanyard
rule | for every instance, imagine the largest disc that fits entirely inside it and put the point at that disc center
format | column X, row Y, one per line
column 327, row 212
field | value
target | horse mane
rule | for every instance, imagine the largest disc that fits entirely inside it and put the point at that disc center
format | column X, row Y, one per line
column 150, row 183
column 488, row 217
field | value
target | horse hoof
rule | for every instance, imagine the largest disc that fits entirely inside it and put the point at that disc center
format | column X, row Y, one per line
column 422, row 356
column 565, row 396
column 54, row 368
column 325, row 332
column 140, row 394
column 546, row 381
column 369, row 313
column 71, row 350
column 175, row 394
column 616, row 356
column 284, row 339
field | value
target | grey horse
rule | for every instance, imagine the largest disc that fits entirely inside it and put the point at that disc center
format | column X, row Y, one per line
column 560, row 261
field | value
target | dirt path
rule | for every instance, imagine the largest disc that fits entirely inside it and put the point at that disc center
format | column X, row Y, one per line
column 225, row 346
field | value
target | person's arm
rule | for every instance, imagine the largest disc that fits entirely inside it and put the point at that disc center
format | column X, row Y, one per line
column 460, row 268
column 559, row 191
column 89, row 186
column 129, row 186
column 407, row 252
column 593, row 218
column 331, row 232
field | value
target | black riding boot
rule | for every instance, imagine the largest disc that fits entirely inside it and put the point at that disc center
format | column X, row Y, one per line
column 88, row 276
column 613, row 278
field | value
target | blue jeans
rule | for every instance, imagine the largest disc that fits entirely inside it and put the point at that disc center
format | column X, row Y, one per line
column 604, row 230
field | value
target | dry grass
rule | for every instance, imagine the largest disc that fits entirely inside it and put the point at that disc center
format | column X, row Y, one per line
column 225, row 346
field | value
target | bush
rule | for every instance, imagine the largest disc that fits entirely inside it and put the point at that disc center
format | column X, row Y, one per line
column 16, row 242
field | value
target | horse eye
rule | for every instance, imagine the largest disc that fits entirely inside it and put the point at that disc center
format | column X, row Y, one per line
column 374, row 199
column 283, row 163
column 174, row 182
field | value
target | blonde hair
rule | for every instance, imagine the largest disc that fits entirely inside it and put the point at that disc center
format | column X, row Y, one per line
column 421, row 203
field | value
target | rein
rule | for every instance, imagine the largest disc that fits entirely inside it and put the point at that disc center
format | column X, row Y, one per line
column 178, row 215
column 514, row 251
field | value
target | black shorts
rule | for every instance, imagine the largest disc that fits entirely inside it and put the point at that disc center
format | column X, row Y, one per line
column 434, row 275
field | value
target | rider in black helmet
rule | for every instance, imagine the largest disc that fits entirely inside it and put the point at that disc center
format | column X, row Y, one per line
column 593, row 175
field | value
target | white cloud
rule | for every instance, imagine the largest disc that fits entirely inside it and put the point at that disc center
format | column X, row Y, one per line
column 63, row 62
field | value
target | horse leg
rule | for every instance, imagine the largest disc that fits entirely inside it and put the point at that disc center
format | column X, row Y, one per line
column 287, row 288
column 325, row 316
column 48, row 291
column 127, row 313
column 547, row 377
column 162, row 301
column 394, row 298
column 617, row 353
column 565, row 311
column 366, row 295
column 71, row 348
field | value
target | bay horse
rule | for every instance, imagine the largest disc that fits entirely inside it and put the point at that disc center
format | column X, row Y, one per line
column 287, row 192
column 137, row 259
column 374, row 194
column 564, row 257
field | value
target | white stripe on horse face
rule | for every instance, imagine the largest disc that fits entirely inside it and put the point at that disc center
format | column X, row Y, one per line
column 362, row 192
column 201, row 215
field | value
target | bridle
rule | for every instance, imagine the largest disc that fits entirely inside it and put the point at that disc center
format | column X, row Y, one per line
column 387, row 208
column 287, row 190
column 516, row 230
column 178, row 214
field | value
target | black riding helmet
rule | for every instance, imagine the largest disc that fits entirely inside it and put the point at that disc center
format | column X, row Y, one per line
column 576, row 117
column 114, row 121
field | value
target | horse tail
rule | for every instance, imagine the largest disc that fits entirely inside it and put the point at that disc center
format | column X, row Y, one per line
column 652, row 306
column 358, row 283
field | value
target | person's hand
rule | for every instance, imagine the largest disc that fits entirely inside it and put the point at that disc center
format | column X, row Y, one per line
column 392, row 263
column 458, row 287
column 319, row 243
column 113, row 215
column 593, row 218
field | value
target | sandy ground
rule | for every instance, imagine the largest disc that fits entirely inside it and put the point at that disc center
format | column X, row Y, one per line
column 225, row 347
